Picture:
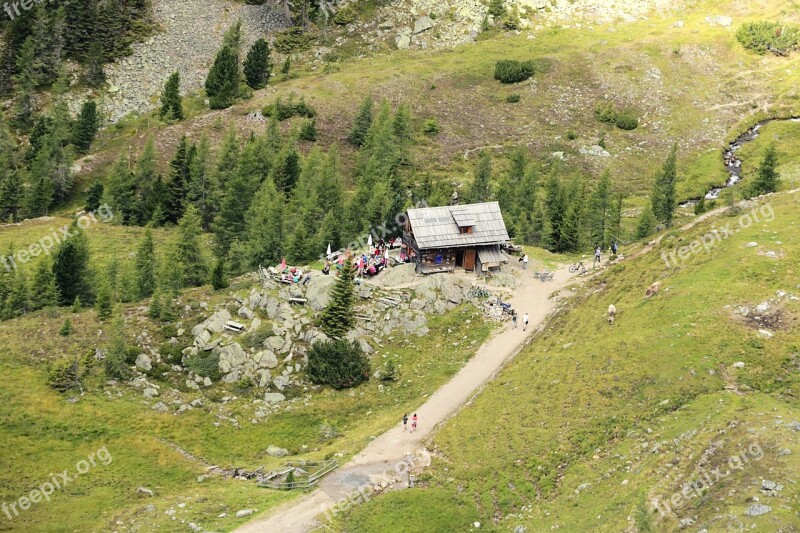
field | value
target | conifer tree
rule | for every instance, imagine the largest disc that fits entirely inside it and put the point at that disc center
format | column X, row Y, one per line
column 481, row 188
column 171, row 105
column 104, row 302
column 555, row 208
column 66, row 328
column 48, row 38
column 663, row 195
column 218, row 280
column 115, row 362
column 614, row 230
column 177, row 183
column 44, row 292
column 337, row 317
column 121, row 192
column 11, row 192
column 599, row 209
column 222, row 83
column 188, row 249
column 200, row 190
column 358, row 135
column 257, row 65
column 647, row 223
column 264, row 236
column 94, row 196
column 286, row 170
column 146, row 266
column 24, row 84
column 148, row 185
column 85, row 128
column 71, row 268
column 402, row 123
column 767, row 178
column 154, row 310
column 94, row 74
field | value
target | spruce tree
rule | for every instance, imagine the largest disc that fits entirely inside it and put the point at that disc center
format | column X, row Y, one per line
column 264, row 239
column 66, row 328
column 663, row 196
column 85, row 128
column 222, row 83
column 154, row 310
column 44, row 292
column 647, row 223
column 767, row 178
column 148, row 193
column 146, row 266
column 177, row 183
column 94, row 74
column 286, row 169
column 188, row 249
column 171, row 105
column 218, row 279
column 48, row 38
column 358, row 135
column 402, row 123
column 257, row 65
column 71, row 268
column 337, row 317
column 24, row 84
column 11, row 191
column 481, row 188
column 121, row 192
column 200, row 190
column 104, row 302
column 614, row 230
column 94, row 196
column 599, row 209
column 115, row 362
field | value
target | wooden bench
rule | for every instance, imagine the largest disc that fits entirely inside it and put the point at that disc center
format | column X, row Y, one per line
column 301, row 301
column 234, row 326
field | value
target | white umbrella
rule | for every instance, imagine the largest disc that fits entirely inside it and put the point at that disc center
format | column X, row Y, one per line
column 369, row 240
column 328, row 253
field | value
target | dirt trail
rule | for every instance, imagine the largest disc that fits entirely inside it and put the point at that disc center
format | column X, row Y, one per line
column 390, row 448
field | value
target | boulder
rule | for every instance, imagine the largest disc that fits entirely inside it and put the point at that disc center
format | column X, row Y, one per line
column 160, row 407
column 143, row 362
column 207, row 381
column 215, row 322
column 264, row 378
column 280, row 382
column 422, row 24
column 150, row 392
column 244, row 512
column 274, row 397
column 190, row 384
column 318, row 291
column 275, row 451
column 230, row 357
column 245, row 312
column 757, row 509
column 403, row 41
column 202, row 339
column 265, row 359
column 275, row 343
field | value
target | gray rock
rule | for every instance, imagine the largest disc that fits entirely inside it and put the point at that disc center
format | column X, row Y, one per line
column 762, row 307
column 738, row 364
column 280, row 382
column 190, row 384
column 233, row 377
column 403, row 41
column 143, row 491
column 318, row 291
column 365, row 346
column 751, row 244
column 244, row 512
column 265, row 359
column 275, row 343
column 143, row 362
column 230, row 357
column 207, row 381
column 795, row 426
column 766, row 333
column 757, row 509
column 244, row 312
column 202, row 339
column 275, row 451
column 770, row 486
column 274, row 397
column 422, row 24
column 161, row 407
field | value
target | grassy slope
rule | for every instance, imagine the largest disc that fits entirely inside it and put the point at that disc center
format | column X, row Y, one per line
column 43, row 432
column 630, row 410
column 693, row 84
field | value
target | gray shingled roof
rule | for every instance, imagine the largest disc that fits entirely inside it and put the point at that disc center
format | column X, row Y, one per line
column 436, row 227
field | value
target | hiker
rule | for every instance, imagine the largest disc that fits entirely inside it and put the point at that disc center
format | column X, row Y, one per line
column 524, row 260
column 327, row 268
column 614, row 248
column 307, row 279
column 514, row 318
column 413, row 422
column 525, row 322
column 405, row 422
column 596, row 256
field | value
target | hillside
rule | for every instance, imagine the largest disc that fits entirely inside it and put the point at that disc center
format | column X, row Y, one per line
column 596, row 427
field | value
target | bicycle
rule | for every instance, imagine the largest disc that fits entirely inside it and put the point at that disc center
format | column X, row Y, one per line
column 578, row 266
column 544, row 275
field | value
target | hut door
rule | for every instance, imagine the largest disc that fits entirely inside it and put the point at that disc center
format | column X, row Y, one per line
column 459, row 258
column 469, row 260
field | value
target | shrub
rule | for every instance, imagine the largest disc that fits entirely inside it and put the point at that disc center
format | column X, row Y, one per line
column 389, row 372
column 345, row 16
column 513, row 71
column 431, row 127
column 64, row 375
column 337, row 363
column 66, row 328
column 571, row 135
column 762, row 37
column 292, row 40
column 626, row 121
column 512, row 98
column 605, row 112
column 171, row 353
column 283, row 111
column 308, row 131
column 205, row 364
column 256, row 338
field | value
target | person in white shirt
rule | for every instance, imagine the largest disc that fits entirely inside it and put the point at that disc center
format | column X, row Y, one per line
column 524, row 260
column 524, row 321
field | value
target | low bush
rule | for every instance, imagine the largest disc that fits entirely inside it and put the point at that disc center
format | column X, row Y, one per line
column 286, row 110
column 171, row 353
column 431, row 127
column 292, row 40
column 513, row 71
column 762, row 37
column 345, row 16
column 572, row 135
column 308, row 131
column 512, row 98
column 337, row 363
column 627, row 121
column 205, row 364
column 64, row 375
column 256, row 338
column 607, row 113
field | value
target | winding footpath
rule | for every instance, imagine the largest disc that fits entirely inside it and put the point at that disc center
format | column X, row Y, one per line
column 394, row 446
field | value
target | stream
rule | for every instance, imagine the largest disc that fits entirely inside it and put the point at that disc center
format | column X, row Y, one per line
column 732, row 162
